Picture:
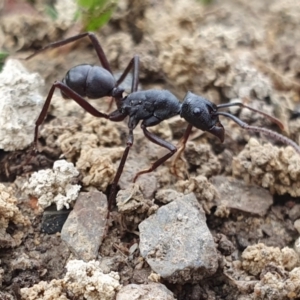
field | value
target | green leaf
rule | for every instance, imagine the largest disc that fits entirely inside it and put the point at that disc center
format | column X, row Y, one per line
column 96, row 13
column 51, row 12
column 3, row 56
column 97, row 23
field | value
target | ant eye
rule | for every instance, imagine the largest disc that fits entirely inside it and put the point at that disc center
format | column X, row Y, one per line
column 197, row 111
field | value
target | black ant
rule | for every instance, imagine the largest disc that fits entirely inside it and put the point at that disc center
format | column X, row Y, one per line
column 153, row 106
column 150, row 106
column 89, row 81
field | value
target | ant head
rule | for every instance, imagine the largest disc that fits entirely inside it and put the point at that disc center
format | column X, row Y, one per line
column 202, row 114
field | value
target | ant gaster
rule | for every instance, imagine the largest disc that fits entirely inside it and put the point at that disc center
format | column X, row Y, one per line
column 89, row 81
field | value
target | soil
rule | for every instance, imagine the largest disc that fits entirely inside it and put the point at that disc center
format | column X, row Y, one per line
column 223, row 50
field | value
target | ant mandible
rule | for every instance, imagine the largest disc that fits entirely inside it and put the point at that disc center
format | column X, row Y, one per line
column 153, row 106
column 87, row 80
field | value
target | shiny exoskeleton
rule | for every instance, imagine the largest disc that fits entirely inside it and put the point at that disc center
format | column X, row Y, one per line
column 88, row 81
column 150, row 107
column 153, row 106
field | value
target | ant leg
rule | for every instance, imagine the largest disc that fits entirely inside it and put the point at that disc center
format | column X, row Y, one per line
column 156, row 140
column 99, row 50
column 72, row 95
column 181, row 148
column 134, row 65
column 113, row 192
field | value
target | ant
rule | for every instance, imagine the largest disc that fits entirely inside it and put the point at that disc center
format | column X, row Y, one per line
column 149, row 106
column 153, row 106
column 87, row 80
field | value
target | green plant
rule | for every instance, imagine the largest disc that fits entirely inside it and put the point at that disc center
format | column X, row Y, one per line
column 3, row 56
column 205, row 2
column 95, row 13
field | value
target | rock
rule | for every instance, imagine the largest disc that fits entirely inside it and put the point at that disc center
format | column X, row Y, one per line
column 20, row 105
column 297, row 246
column 276, row 169
column 133, row 206
column 144, row 292
column 258, row 257
column 204, row 190
column 147, row 182
column 294, row 212
column 297, row 225
column 82, row 281
column 166, row 195
column 11, row 217
column 225, row 246
column 54, row 186
column 131, row 200
column 237, row 195
column 276, row 284
column 84, row 229
column 176, row 242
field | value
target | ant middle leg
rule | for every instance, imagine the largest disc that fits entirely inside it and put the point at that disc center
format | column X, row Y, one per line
column 156, row 140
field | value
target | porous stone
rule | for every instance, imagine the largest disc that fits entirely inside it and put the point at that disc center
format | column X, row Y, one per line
column 10, row 215
column 83, row 280
column 277, row 169
column 20, row 105
column 54, row 186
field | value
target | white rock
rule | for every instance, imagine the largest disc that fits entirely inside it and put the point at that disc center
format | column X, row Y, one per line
column 53, row 186
column 297, row 246
column 20, row 105
column 84, row 280
column 87, row 279
column 297, row 225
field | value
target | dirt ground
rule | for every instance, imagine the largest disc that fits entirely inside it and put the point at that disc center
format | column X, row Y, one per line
column 233, row 50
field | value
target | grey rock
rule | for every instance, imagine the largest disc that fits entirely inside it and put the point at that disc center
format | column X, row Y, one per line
column 150, row 291
column 85, row 227
column 176, row 242
column 237, row 195
column 294, row 212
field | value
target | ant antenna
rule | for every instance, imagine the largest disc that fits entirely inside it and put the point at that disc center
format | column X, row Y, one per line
column 265, row 131
column 273, row 119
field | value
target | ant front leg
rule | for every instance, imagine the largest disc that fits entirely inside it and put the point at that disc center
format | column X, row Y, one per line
column 70, row 94
column 117, row 117
column 156, row 140
column 119, row 172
